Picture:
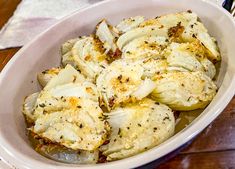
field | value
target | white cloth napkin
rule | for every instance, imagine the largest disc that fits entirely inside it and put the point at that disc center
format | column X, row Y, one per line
column 33, row 16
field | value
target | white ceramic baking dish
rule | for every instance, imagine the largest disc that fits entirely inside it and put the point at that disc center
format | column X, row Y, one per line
column 18, row 78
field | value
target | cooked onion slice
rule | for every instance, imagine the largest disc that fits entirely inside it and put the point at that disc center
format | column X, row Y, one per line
column 67, row 112
column 65, row 155
column 159, row 26
column 129, row 23
column 86, row 56
column 68, row 45
column 145, row 46
column 79, row 126
column 55, row 99
column 170, row 20
column 129, row 36
column 186, row 26
column 184, row 90
column 69, row 82
column 122, row 82
column 106, row 36
column 45, row 76
column 153, row 66
column 196, row 30
column 208, row 67
column 66, row 75
column 138, row 127
column 29, row 107
column 190, row 56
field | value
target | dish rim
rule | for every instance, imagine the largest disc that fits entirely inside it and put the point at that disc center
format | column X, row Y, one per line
column 166, row 147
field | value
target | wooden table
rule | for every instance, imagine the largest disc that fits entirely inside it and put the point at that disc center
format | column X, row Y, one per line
column 213, row 148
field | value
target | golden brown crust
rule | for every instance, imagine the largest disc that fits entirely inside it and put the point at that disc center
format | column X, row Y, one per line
column 175, row 32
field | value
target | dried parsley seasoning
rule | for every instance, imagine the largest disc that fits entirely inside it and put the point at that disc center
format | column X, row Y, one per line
column 162, row 26
column 42, row 105
column 189, row 98
column 166, row 118
column 119, row 78
column 132, row 20
column 44, row 112
column 74, row 78
column 119, row 131
column 189, row 11
column 154, row 129
column 194, row 36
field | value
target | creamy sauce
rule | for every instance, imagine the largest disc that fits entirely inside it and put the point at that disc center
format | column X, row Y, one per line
column 185, row 118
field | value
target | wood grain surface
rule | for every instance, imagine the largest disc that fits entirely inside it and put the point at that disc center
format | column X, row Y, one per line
column 213, row 148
